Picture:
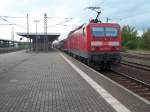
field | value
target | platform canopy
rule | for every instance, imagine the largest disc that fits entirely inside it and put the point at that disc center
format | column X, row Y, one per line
column 50, row 36
column 40, row 41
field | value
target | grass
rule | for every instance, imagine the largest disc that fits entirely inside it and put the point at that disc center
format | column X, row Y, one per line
column 139, row 51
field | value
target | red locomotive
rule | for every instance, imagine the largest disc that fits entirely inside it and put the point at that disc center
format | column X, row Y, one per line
column 97, row 43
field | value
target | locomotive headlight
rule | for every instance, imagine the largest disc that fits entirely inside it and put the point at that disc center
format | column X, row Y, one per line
column 114, row 43
column 96, row 43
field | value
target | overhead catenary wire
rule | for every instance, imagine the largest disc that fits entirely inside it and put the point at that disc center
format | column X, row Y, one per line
column 4, row 19
column 103, row 2
column 60, row 23
column 13, row 16
column 70, row 25
column 6, row 24
column 58, row 18
column 128, row 17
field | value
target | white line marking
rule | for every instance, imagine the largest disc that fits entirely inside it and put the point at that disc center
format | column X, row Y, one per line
column 107, row 96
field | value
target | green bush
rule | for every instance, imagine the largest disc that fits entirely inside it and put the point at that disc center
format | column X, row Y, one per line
column 129, row 37
column 141, row 43
column 146, row 39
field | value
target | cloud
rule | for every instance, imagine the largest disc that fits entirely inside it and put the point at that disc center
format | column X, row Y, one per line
column 135, row 13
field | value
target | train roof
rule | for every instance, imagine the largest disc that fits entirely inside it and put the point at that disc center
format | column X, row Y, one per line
column 105, row 24
column 76, row 29
column 95, row 24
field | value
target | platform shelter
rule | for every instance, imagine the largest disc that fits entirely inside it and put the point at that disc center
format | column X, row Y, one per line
column 40, row 41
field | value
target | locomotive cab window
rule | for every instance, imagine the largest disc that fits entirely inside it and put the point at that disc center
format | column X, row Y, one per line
column 111, row 32
column 98, row 31
column 104, row 31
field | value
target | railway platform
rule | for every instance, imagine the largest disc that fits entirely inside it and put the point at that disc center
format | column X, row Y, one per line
column 55, row 82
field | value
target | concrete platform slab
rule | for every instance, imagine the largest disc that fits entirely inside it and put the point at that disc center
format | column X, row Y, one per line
column 44, row 82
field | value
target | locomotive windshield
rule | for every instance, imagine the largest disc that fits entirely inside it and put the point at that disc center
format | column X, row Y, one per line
column 98, row 31
column 110, row 31
column 104, row 31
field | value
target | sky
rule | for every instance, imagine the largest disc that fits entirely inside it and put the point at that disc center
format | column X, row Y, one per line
column 135, row 13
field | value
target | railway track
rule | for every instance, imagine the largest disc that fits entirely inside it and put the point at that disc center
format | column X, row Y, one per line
column 136, row 65
column 137, row 86
column 135, row 77
column 137, row 56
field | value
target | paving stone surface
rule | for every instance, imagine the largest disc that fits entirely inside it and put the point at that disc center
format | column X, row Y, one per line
column 44, row 82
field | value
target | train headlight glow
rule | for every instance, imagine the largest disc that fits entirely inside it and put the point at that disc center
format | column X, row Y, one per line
column 113, row 43
column 96, row 43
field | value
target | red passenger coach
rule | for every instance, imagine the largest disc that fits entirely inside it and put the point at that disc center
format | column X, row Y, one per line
column 97, row 43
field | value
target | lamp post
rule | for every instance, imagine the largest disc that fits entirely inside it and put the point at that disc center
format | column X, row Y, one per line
column 36, row 43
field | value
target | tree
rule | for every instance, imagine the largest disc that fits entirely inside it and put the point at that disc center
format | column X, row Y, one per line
column 129, row 37
column 146, row 38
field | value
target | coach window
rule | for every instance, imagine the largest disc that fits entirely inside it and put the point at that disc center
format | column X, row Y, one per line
column 111, row 32
column 98, row 31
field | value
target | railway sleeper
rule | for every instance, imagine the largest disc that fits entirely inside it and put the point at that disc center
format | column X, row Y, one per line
column 136, row 87
column 145, row 94
column 141, row 90
column 129, row 84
